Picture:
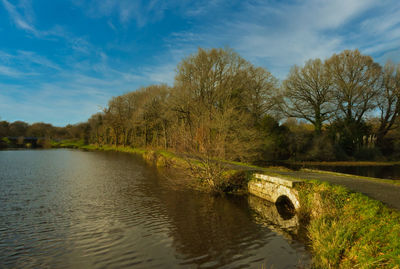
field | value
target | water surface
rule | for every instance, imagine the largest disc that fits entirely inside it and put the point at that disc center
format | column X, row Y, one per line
column 75, row 209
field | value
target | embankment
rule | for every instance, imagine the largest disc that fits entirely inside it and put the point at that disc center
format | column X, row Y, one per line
column 348, row 229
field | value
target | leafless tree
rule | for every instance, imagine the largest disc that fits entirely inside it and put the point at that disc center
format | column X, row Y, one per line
column 388, row 99
column 308, row 94
column 355, row 79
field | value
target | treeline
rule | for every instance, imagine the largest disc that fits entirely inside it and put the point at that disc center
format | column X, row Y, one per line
column 221, row 106
column 44, row 132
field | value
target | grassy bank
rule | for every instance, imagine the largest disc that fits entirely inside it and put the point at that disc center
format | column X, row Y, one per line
column 345, row 229
column 349, row 230
column 229, row 180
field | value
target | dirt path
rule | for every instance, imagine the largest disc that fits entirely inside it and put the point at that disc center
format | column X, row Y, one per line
column 384, row 192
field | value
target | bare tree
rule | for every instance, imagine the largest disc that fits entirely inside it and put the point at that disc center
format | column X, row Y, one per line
column 115, row 116
column 355, row 79
column 259, row 92
column 388, row 99
column 211, row 120
column 208, row 97
column 97, row 131
column 308, row 94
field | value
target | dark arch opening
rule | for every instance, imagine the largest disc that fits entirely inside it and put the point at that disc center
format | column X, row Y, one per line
column 285, row 207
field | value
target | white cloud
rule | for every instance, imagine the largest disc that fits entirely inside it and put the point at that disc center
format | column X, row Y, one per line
column 160, row 74
column 294, row 33
column 69, row 97
column 25, row 63
column 202, row 7
column 274, row 36
column 283, row 34
column 25, row 22
column 19, row 20
column 381, row 33
column 13, row 72
column 142, row 12
column 386, row 20
column 32, row 57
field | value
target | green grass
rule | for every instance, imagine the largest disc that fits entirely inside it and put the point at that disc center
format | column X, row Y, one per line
column 68, row 144
column 6, row 140
column 243, row 164
column 349, row 230
column 158, row 157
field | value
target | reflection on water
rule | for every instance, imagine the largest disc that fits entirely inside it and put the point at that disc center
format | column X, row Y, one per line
column 270, row 216
column 65, row 208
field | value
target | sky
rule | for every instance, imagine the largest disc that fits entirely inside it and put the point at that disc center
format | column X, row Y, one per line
column 61, row 61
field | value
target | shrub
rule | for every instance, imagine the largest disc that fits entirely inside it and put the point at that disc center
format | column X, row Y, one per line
column 368, row 154
column 322, row 149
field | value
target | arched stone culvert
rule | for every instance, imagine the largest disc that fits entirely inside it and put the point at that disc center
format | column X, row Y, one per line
column 274, row 189
column 285, row 207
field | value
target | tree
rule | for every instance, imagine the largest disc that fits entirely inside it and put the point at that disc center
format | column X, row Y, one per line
column 18, row 128
column 116, row 116
column 355, row 79
column 207, row 100
column 308, row 94
column 40, row 129
column 4, row 128
column 259, row 92
column 388, row 100
column 210, row 118
column 97, row 127
column 153, row 115
column 275, row 139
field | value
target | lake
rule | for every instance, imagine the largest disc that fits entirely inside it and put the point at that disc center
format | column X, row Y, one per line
column 74, row 209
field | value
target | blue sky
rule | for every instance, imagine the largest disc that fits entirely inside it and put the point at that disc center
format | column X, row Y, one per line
column 61, row 61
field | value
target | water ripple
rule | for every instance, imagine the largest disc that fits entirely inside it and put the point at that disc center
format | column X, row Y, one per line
column 72, row 209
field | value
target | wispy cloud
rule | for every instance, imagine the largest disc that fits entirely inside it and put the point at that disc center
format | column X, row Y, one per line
column 32, row 57
column 160, row 74
column 381, row 33
column 22, row 22
column 50, row 103
column 142, row 12
column 202, row 7
column 295, row 32
column 69, row 97
column 23, row 19
column 85, row 66
column 25, row 63
column 13, row 72
column 280, row 34
column 387, row 20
